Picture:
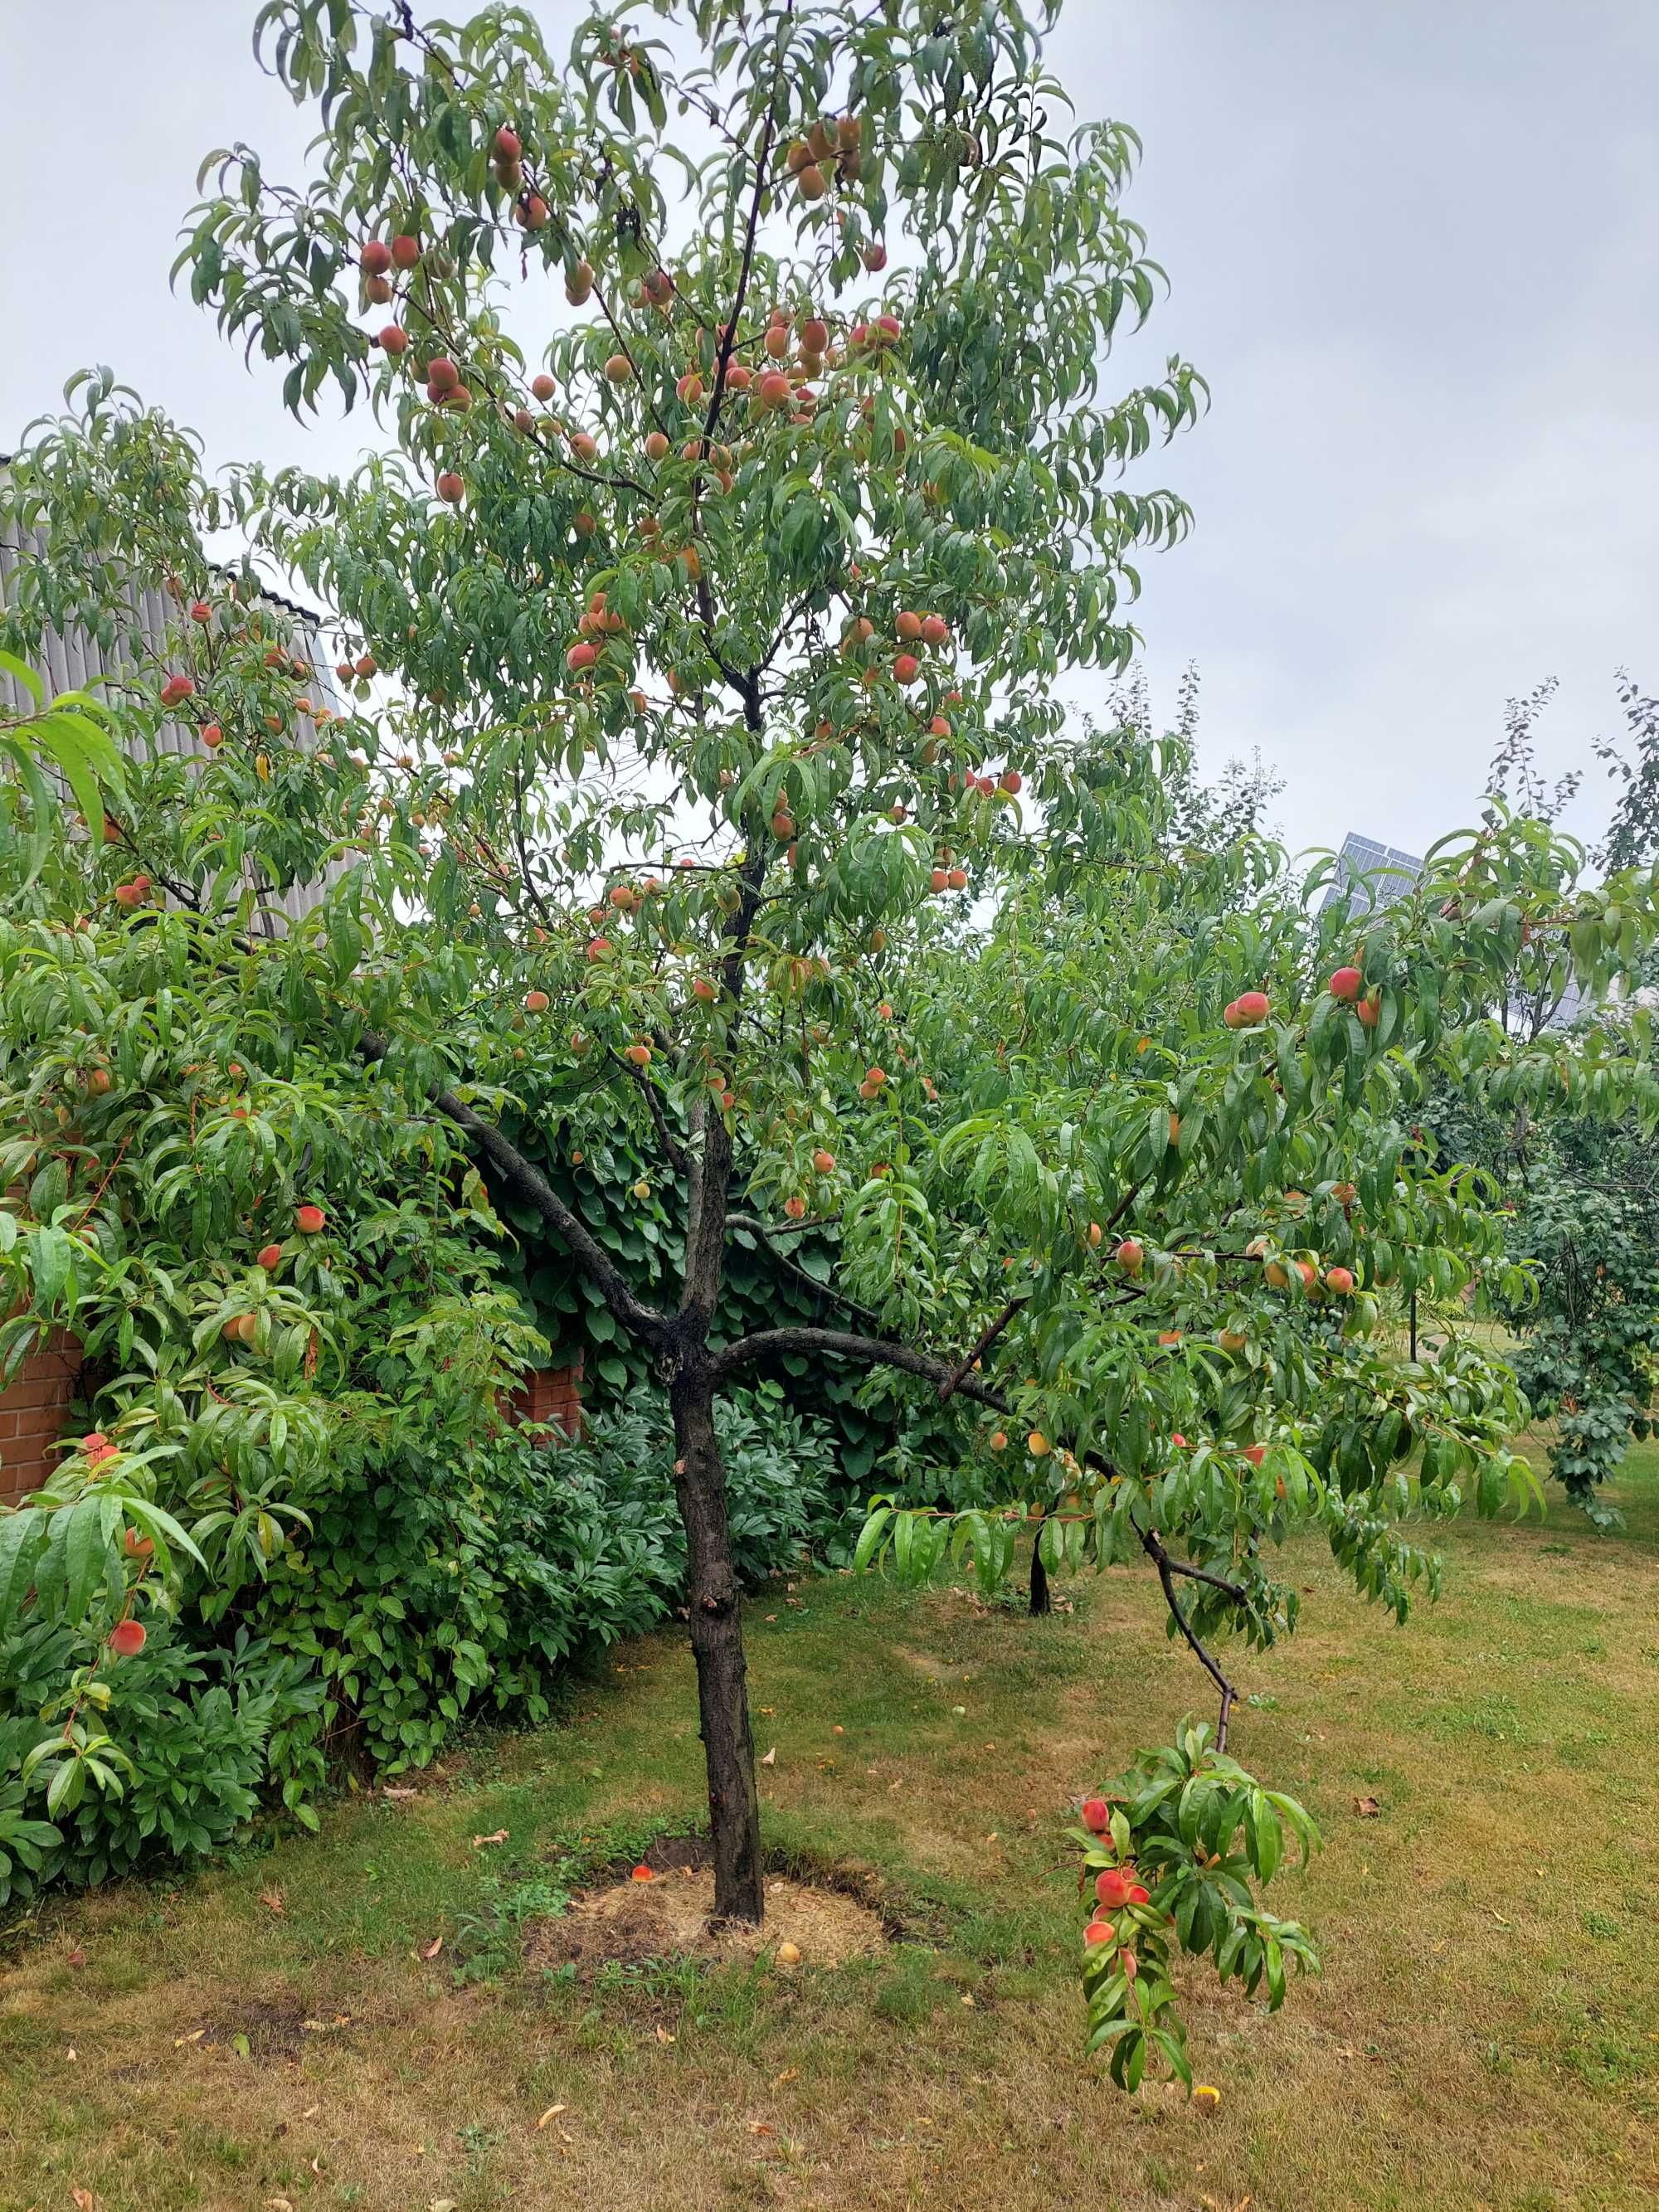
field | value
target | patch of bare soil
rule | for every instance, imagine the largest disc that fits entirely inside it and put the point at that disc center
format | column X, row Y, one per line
column 670, row 1915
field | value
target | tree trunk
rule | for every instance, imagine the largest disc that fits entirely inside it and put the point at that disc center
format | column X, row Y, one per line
column 1041, row 1600
column 717, row 1646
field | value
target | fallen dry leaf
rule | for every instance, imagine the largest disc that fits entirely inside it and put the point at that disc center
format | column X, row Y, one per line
column 552, row 2113
column 756, row 2127
column 195, row 2036
column 311, row 2112
column 771, row 1757
column 664, row 2035
column 81, row 2199
column 499, row 1836
column 968, row 2002
column 386, row 1790
column 274, row 1899
column 279, row 2204
column 431, row 1950
column 77, row 1957
column 789, row 2074
column 1367, row 1807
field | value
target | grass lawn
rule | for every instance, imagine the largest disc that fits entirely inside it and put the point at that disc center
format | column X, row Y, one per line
column 1486, row 2032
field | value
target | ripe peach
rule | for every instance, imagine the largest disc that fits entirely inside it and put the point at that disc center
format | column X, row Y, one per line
column 176, row 688
column 810, row 181
column 1113, row 1885
column 581, row 657
column 823, row 1162
column 393, row 340
column 508, row 145
column 934, row 627
column 619, row 369
column 309, row 1219
column 375, row 260
column 1255, row 1454
column 597, row 947
column 211, row 736
column 270, row 1257
column 1251, row 1007
column 1347, row 983
column 531, row 213
column 958, row 879
column 126, row 1639
column 451, row 489
column 1131, row 1255
column 639, row 1054
column 874, row 256
column 137, row 1547
column 1037, row 1444
column 1010, row 780
column 906, row 668
column 1340, row 1280
column 405, row 251
column 1369, row 1011
column 795, row 1208
column 1100, row 1931
column 1097, row 1815
column 1096, row 1233
column 536, row 1002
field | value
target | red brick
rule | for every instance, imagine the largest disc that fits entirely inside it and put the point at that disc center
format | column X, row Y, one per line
column 31, row 1413
column 550, row 1396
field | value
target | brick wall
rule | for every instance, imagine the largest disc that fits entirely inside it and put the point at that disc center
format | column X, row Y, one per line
column 32, row 1414
column 552, row 1395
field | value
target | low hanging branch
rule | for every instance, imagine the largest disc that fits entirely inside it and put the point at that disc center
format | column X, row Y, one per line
column 1167, row 1569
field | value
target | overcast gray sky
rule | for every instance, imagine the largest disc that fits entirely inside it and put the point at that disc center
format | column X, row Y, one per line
column 1413, row 246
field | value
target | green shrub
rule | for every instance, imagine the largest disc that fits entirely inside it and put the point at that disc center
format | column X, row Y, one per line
column 418, row 1592
column 193, row 1728
column 450, row 1586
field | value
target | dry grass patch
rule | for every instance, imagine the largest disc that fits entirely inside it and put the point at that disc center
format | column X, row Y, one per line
column 1486, row 2035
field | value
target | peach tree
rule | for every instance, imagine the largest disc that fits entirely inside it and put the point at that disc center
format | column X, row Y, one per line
column 745, row 486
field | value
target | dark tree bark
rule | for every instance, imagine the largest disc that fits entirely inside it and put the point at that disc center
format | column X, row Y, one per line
column 1041, row 1600
column 712, row 1597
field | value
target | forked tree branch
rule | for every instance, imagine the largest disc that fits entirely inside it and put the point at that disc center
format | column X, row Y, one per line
column 844, row 1344
column 948, row 1389
column 532, row 1187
